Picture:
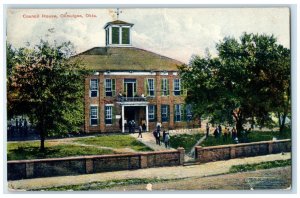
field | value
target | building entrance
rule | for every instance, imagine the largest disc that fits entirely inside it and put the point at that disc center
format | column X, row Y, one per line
column 136, row 113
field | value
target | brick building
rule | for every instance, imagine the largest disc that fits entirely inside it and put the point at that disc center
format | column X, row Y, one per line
column 129, row 83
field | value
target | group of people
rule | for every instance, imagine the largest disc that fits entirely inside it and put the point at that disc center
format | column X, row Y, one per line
column 227, row 133
column 131, row 128
column 165, row 137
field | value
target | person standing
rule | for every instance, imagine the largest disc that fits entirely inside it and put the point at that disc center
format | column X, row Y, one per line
column 234, row 133
column 140, row 131
column 219, row 130
column 164, row 135
column 157, row 137
column 167, row 140
column 144, row 127
column 133, row 126
column 207, row 129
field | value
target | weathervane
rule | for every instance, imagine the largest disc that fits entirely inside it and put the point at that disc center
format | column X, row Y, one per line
column 118, row 12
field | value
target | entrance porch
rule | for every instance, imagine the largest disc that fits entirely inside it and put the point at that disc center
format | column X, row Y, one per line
column 137, row 111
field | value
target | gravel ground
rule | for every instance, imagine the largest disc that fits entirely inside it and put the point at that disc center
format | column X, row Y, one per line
column 270, row 179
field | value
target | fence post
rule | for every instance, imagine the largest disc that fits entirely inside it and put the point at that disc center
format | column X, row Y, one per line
column 270, row 147
column 232, row 152
column 29, row 169
column 181, row 155
column 89, row 166
column 144, row 160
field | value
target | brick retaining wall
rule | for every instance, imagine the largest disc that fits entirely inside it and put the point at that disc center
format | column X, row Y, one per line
column 225, row 152
column 23, row 169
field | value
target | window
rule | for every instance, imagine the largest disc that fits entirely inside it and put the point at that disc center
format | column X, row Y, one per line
column 164, row 113
column 115, row 35
column 189, row 113
column 177, row 87
column 93, row 115
column 125, row 36
column 178, row 113
column 94, row 88
column 165, row 87
column 108, row 114
column 110, row 87
column 150, row 87
column 151, row 113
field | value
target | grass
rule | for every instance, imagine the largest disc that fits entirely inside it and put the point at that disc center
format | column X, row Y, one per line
column 107, row 184
column 187, row 141
column 30, row 150
column 259, row 166
column 254, row 136
column 115, row 141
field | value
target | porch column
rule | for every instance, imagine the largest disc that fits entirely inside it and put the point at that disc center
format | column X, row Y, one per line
column 147, row 122
column 123, row 124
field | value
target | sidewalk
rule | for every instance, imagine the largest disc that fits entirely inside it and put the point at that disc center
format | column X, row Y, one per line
column 212, row 168
column 149, row 141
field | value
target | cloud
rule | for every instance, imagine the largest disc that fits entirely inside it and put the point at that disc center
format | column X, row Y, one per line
column 177, row 33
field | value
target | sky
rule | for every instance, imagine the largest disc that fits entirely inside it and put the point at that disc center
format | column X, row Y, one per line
column 177, row 33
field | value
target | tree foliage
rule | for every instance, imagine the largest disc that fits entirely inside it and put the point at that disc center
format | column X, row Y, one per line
column 248, row 80
column 48, row 86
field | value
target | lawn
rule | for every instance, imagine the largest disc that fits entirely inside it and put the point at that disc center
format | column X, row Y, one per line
column 115, row 141
column 254, row 136
column 259, row 166
column 56, row 149
column 30, row 150
column 187, row 141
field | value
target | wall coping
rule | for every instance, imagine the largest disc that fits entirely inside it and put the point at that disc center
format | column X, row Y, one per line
column 241, row 144
column 90, row 157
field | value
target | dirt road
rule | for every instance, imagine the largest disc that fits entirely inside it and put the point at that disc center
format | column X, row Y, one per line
column 277, row 178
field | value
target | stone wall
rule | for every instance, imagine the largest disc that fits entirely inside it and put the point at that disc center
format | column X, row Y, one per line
column 24, row 169
column 225, row 152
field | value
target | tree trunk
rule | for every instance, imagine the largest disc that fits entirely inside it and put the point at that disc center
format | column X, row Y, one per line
column 239, row 127
column 281, row 122
column 239, row 122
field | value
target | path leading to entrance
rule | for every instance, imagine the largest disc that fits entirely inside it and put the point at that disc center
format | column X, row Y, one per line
column 192, row 152
column 149, row 141
column 202, row 170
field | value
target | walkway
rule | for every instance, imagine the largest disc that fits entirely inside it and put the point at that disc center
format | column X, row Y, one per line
column 192, row 152
column 202, row 170
column 149, row 140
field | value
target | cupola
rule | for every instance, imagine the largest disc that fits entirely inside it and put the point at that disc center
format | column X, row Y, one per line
column 118, row 33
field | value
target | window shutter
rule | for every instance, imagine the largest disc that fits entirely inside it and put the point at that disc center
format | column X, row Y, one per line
column 168, row 106
column 174, row 113
column 183, row 112
column 155, row 112
column 146, row 87
column 162, row 87
column 113, row 82
column 125, row 89
column 113, row 115
column 98, row 115
column 168, row 87
column 154, row 88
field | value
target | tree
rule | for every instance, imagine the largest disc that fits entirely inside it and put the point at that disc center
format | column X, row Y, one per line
column 242, row 82
column 48, row 86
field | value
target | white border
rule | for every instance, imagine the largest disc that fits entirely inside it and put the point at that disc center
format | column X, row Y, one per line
column 164, row 3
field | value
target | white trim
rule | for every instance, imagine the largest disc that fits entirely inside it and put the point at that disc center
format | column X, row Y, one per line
column 133, row 73
column 133, row 104
column 164, row 73
column 90, row 117
column 175, row 73
column 109, row 105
